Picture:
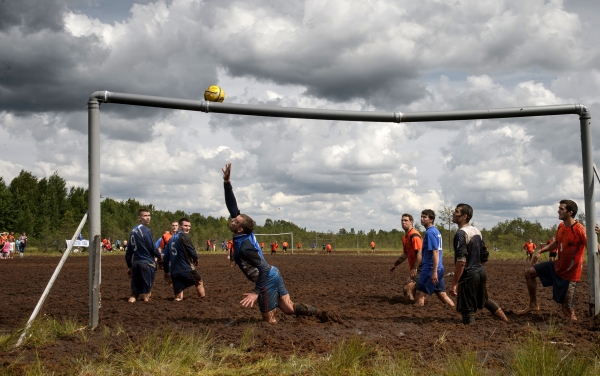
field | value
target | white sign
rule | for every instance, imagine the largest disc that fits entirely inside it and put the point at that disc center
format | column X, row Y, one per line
column 79, row 243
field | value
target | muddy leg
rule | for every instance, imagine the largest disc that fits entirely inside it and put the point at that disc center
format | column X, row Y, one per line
column 445, row 298
column 530, row 276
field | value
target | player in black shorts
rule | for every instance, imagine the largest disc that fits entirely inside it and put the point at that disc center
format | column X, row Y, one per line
column 554, row 252
column 469, row 282
column 180, row 262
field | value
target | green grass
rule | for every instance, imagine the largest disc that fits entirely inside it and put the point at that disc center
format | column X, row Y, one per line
column 538, row 356
column 170, row 352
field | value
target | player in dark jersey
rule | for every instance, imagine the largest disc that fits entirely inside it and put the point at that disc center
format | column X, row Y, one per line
column 140, row 257
column 469, row 282
column 412, row 243
column 269, row 290
column 181, row 260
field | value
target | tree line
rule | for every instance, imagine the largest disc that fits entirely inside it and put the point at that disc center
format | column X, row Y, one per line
column 49, row 212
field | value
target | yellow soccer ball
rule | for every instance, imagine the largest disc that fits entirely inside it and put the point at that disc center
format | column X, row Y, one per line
column 214, row 94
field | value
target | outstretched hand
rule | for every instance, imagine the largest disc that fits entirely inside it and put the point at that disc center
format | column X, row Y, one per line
column 226, row 172
column 249, row 299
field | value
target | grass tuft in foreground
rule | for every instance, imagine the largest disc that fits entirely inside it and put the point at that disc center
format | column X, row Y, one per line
column 536, row 355
column 171, row 352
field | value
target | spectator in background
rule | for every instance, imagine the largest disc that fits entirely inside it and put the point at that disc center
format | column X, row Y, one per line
column 22, row 244
column 4, row 244
column 12, row 246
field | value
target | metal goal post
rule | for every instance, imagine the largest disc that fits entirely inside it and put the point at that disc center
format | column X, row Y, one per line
column 321, row 114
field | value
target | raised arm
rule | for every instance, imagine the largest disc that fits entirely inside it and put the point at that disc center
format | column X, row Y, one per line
column 229, row 196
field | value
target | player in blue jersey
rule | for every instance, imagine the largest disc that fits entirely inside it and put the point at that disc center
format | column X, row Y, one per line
column 140, row 258
column 183, row 259
column 431, row 279
column 269, row 290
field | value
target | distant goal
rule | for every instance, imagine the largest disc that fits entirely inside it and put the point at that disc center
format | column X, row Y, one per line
column 285, row 237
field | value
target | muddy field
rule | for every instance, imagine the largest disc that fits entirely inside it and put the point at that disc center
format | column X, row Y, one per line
column 359, row 288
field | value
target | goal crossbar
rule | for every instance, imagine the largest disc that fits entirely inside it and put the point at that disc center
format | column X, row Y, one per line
column 99, row 97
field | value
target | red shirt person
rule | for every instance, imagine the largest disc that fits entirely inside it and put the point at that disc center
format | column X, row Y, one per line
column 564, row 273
column 529, row 247
column 412, row 243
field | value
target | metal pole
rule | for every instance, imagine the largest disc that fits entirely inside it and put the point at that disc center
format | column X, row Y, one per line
column 51, row 282
column 344, row 115
column 590, row 210
column 94, row 208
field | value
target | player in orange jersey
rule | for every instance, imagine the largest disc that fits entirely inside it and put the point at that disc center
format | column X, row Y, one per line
column 230, row 253
column 564, row 273
column 412, row 243
column 299, row 245
column 372, row 247
column 529, row 247
column 285, row 245
column 328, row 248
column 274, row 247
column 553, row 253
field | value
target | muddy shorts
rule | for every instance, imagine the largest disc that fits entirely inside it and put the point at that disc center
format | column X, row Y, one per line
column 563, row 291
column 268, row 299
column 142, row 277
column 182, row 281
column 472, row 293
column 425, row 285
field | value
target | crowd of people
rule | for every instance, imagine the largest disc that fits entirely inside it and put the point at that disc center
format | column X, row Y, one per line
column 174, row 252
column 9, row 244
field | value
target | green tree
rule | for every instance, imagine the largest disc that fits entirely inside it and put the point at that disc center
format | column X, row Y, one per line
column 445, row 216
column 24, row 190
column 7, row 209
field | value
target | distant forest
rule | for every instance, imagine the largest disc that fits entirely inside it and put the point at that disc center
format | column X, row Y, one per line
column 49, row 212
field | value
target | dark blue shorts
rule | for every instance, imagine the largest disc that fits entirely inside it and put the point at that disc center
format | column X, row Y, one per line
column 268, row 299
column 182, row 281
column 560, row 287
column 425, row 285
column 142, row 277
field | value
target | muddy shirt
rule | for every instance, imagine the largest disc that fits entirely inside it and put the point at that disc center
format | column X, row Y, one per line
column 470, row 248
column 247, row 253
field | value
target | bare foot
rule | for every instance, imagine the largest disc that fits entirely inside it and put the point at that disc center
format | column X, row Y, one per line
column 500, row 314
column 270, row 317
column 531, row 308
column 569, row 314
column 201, row 292
column 132, row 299
column 179, row 297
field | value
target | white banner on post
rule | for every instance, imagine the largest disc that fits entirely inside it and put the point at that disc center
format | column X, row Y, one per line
column 79, row 243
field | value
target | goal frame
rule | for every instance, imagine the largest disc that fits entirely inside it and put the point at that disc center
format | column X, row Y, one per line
column 106, row 97
column 283, row 233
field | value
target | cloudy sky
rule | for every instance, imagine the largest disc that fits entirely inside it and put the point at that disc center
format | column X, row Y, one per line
column 388, row 55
